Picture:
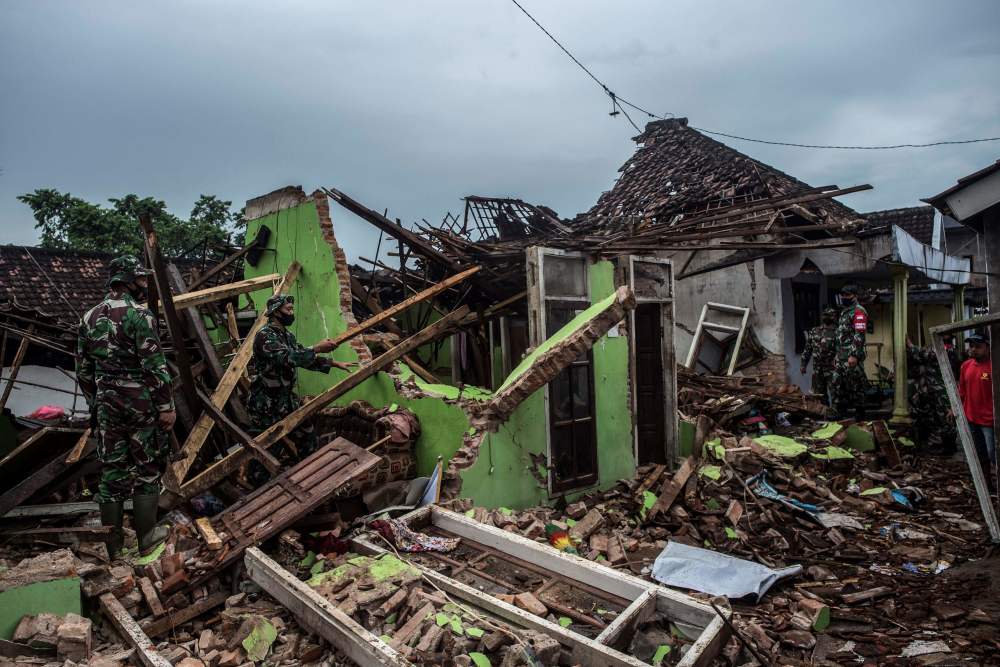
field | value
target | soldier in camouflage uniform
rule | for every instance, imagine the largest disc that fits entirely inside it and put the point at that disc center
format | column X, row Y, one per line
column 933, row 423
column 821, row 348
column 277, row 356
column 849, row 383
column 123, row 375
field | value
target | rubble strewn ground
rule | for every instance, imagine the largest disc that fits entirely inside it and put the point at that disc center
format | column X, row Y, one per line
column 879, row 580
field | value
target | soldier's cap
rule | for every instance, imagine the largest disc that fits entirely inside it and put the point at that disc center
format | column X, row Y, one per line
column 276, row 302
column 850, row 288
column 125, row 269
column 978, row 338
column 831, row 310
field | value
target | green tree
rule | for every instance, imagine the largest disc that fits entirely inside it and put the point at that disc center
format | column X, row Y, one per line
column 66, row 221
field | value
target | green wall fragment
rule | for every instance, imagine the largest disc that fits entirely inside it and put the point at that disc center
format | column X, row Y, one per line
column 60, row 596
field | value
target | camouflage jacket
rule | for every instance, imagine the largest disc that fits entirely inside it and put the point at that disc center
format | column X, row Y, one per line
column 821, row 347
column 119, row 356
column 276, row 358
column 851, row 330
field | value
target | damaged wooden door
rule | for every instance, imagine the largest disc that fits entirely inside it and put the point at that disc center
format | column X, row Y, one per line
column 558, row 290
column 654, row 388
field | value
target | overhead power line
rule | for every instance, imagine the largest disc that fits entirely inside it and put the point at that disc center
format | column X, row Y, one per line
column 619, row 103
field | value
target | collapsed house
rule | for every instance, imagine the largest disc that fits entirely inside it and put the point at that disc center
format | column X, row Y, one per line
column 521, row 370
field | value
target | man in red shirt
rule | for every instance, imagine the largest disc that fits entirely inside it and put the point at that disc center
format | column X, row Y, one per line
column 975, row 388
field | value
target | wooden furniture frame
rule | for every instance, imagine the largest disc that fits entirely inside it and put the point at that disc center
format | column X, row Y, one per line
column 321, row 616
column 705, row 325
column 964, row 432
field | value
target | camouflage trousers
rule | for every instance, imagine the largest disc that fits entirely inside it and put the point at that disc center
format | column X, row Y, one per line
column 296, row 446
column 133, row 451
column 821, row 382
column 847, row 388
column 931, row 425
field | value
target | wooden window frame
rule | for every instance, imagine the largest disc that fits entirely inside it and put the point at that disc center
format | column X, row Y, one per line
column 538, row 301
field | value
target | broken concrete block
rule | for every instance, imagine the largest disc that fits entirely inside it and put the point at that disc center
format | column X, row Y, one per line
column 206, row 641
column 233, row 658
column 546, row 648
column 599, row 543
column 50, row 566
column 583, row 528
column 74, row 638
column 190, row 662
column 576, row 511
column 616, row 555
column 531, row 604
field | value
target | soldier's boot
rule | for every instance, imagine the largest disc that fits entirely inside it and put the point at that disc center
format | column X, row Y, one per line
column 113, row 514
column 145, row 507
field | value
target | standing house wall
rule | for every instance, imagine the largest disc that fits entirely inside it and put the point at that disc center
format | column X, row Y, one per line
column 509, row 470
column 741, row 285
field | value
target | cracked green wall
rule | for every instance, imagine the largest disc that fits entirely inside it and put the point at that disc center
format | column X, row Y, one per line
column 501, row 475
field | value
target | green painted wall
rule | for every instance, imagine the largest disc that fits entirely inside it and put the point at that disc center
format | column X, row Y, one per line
column 59, row 597
column 502, row 474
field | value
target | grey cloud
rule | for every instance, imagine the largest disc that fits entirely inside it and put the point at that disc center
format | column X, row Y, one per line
column 410, row 106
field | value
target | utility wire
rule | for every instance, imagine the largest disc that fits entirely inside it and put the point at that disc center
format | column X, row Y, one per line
column 617, row 101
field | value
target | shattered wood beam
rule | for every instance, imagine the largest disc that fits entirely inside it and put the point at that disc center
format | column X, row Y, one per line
column 131, row 632
column 265, row 457
column 220, row 267
column 38, row 480
column 320, row 615
column 229, row 464
column 404, row 235
column 392, row 311
column 234, row 371
column 15, row 367
column 371, row 302
column 162, row 626
column 169, row 312
column 210, row 294
column 219, row 292
column 543, row 365
column 195, row 324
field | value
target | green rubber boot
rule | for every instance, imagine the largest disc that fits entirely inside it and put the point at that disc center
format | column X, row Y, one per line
column 113, row 514
column 145, row 507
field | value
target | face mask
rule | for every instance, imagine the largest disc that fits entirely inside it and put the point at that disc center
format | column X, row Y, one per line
column 284, row 319
column 138, row 292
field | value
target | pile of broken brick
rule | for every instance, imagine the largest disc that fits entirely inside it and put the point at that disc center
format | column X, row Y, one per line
column 894, row 568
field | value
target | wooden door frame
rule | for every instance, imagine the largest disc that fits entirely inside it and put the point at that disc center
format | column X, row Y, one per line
column 667, row 357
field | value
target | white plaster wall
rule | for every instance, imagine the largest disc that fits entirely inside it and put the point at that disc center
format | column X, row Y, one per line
column 742, row 285
column 25, row 399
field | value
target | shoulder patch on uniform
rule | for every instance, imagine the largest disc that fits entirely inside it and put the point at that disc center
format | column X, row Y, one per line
column 860, row 319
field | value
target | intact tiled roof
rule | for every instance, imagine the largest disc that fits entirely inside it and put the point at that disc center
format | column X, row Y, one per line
column 58, row 284
column 62, row 285
column 917, row 221
column 678, row 169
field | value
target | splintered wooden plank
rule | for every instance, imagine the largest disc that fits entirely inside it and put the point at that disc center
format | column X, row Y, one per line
column 671, row 488
column 210, row 294
column 151, row 597
column 38, row 480
column 177, row 617
column 292, row 495
column 234, row 371
column 585, row 651
column 320, row 615
column 228, row 465
column 212, row 540
column 392, row 311
column 681, row 607
column 131, row 632
column 77, row 451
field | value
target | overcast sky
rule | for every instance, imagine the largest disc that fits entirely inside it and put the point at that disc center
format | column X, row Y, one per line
column 412, row 105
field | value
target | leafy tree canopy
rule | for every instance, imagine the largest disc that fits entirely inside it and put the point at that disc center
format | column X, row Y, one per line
column 66, row 221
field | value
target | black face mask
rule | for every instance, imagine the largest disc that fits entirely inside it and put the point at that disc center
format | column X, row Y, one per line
column 284, row 319
column 138, row 292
